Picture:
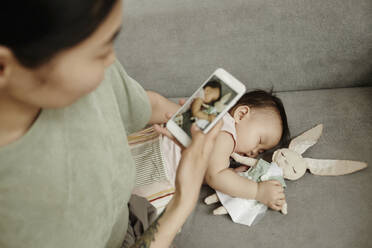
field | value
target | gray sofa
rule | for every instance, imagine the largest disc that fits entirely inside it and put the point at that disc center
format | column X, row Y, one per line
column 317, row 56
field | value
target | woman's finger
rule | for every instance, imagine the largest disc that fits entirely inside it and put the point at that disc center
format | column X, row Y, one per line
column 182, row 101
column 197, row 137
column 211, row 137
column 204, row 143
column 164, row 131
column 159, row 129
column 168, row 115
column 212, row 134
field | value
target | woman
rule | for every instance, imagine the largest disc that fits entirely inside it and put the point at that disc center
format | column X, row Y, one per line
column 66, row 107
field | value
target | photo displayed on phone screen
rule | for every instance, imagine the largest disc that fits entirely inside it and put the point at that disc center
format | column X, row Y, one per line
column 208, row 102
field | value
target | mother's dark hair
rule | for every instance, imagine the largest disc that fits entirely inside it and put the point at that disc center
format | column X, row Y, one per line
column 37, row 30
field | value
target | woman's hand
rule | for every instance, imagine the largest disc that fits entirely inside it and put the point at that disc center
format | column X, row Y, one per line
column 161, row 129
column 190, row 174
column 161, row 107
column 271, row 194
column 193, row 164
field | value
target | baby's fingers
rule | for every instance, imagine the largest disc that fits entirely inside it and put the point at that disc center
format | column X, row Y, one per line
column 277, row 185
column 280, row 202
column 275, row 182
column 275, row 207
column 281, row 196
column 278, row 205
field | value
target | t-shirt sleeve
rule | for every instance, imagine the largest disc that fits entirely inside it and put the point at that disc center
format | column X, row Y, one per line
column 133, row 102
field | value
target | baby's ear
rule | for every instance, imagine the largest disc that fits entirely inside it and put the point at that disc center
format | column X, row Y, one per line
column 324, row 167
column 309, row 138
column 240, row 112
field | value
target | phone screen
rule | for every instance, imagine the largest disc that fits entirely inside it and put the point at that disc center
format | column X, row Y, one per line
column 211, row 99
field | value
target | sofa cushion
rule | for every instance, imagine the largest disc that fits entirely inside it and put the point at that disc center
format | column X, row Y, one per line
column 322, row 211
column 173, row 46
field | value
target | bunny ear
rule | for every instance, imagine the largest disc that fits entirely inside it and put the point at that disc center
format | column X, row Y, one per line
column 226, row 97
column 301, row 143
column 323, row 167
column 244, row 160
column 220, row 105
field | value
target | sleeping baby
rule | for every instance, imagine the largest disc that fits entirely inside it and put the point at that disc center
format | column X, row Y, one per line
column 257, row 122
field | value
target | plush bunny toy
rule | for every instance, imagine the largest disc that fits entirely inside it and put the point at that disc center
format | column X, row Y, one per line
column 294, row 165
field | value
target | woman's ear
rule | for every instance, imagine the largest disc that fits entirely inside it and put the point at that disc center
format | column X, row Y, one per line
column 6, row 58
column 240, row 112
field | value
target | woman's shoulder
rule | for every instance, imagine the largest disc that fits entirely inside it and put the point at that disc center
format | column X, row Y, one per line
column 130, row 97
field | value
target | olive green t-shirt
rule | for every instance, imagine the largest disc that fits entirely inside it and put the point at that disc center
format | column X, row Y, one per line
column 67, row 181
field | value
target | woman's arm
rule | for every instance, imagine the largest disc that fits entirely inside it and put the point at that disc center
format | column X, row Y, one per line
column 163, row 230
column 161, row 107
column 190, row 174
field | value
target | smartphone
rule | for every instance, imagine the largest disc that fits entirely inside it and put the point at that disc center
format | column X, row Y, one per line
column 206, row 106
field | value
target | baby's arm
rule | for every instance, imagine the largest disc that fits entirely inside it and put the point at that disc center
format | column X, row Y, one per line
column 223, row 179
column 197, row 112
column 226, row 180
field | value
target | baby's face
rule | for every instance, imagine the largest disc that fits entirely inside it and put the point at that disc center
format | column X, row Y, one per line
column 211, row 94
column 258, row 131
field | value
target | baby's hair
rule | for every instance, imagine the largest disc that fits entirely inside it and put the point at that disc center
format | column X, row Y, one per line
column 216, row 85
column 264, row 99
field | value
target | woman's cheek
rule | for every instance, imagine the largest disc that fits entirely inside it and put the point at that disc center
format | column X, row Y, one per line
column 93, row 78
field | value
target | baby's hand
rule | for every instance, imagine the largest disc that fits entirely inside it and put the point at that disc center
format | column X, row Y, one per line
column 271, row 194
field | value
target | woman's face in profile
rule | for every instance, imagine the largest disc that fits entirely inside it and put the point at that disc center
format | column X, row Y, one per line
column 70, row 74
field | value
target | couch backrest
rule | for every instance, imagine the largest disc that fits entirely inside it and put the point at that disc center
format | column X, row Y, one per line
column 172, row 46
